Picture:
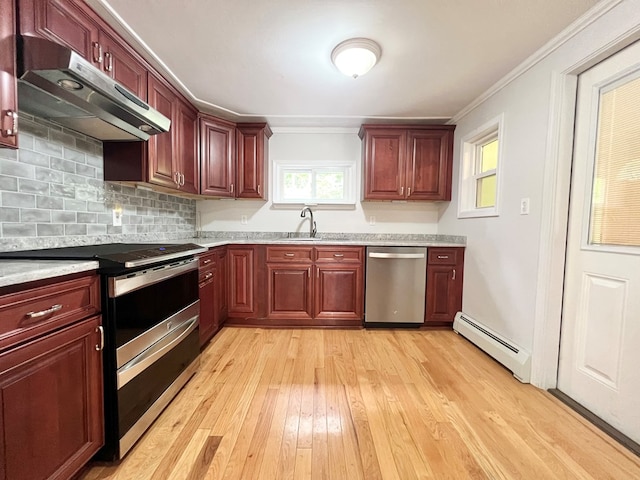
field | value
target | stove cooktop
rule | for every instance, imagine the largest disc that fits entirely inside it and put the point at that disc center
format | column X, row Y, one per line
column 123, row 255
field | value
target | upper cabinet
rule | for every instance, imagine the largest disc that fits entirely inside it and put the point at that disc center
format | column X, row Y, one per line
column 407, row 162
column 8, row 86
column 75, row 25
column 217, row 165
column 233, row 158
column 168, row 159
column 252, row 150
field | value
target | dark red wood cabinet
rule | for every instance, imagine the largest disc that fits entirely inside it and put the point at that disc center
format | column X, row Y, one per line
column 8, row 82
column 242, row 284
column 252, row 156
column 445, row 272
column 217, row 157
column 51, row 391
column 213, row 292
column 403, row 162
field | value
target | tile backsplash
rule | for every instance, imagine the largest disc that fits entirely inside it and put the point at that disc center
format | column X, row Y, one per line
column 52, row 194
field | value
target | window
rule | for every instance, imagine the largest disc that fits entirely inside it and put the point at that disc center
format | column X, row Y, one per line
column 326, row 183
column 479, row 171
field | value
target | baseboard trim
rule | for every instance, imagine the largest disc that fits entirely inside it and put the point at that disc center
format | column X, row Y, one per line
column 614, row 433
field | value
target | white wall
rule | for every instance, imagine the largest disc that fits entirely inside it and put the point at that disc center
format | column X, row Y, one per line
column 318, row 145
column 503, row 273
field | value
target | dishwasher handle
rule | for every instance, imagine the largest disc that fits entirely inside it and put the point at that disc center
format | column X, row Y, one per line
column 395, row 255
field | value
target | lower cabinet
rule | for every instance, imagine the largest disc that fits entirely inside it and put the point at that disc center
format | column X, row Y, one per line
column 241, row 263
column 321, row 286
column 444, row 284
column 51, row 418
column 212, row 285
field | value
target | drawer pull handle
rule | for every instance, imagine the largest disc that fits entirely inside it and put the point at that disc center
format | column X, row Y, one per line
column 208, row 276
column 338, row 255
column 454, row 274
column 289, row 254
column 258, row 189
column 43, row 313
column 207, row 261
column 100, row 346
column 443, row 257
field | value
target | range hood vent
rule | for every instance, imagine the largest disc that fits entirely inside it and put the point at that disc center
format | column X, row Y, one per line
column 57, row 84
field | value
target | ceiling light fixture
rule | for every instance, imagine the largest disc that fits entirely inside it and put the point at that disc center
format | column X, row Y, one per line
column 356, row 56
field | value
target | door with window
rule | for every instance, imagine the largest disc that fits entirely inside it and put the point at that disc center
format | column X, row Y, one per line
column 600, row 338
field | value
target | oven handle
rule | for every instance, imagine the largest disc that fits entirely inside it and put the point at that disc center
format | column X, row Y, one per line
column 134, row 281
column 129, row 371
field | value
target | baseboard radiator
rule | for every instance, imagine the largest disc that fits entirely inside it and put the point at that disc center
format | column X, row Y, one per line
column 511, row 356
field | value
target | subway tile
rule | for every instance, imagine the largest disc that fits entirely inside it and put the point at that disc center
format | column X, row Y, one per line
column 18, row 230
column 22, row 200
column 75, row 155
column 105, row 218
column 72, row 179
column 25, row 141
column 49, row 230
column 16, row 169
column 33, row 215
column 51, row 203
column 86, row 193
column 75, row 229
column 74, row 205
column 62, row 138
column 8, row 184
column 33, row 186
column 86, row 170
column 96, row 207
column 66, row 191
column 128, row 229
column 111, row 230
column 49, row 175
column 9, row 214
column 45, row 146
column 33, row 158
column 61, row 216
column 88, row 146
column 95, row 160
column 96, row 229
column 31, row 127
column 63, row 165
column 86, row 217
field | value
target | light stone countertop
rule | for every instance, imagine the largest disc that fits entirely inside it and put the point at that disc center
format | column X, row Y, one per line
column 13, row 272
column 216, row 242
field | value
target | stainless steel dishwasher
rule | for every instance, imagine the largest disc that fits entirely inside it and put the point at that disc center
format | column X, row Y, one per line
column 395, row 286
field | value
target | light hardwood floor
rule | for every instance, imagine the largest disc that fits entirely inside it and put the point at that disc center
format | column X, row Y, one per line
column 364, row 404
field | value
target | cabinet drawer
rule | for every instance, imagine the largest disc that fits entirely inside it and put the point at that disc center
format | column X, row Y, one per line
column 339, row 254
column 442, row 256
column 207, row 260
column 290, row 254
column 34, row 311
column 206, row 274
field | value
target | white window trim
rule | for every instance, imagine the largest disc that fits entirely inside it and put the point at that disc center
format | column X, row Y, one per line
column 349, row 169
column 469, row 148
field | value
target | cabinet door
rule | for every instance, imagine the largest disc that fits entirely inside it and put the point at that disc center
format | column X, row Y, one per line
column 64, row 22
column 160, row 146
column 429, row 164
column 208, row 324
column 339, row 293
column 444, row 293
column 289, row 290
column 186, row 161
column 384, row 164
column 222, row 298
column 8, row 86
column 216, row 158
column 241, row 281
column 252, row 151
column 122, row 66
column 51, row 421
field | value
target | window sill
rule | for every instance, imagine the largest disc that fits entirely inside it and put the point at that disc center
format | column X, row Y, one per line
column 479, row 213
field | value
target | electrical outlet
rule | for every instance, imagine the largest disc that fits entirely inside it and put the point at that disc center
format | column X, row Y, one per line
column 243, row 219
column 524, row 206
column 117, row 217
column 372, row 220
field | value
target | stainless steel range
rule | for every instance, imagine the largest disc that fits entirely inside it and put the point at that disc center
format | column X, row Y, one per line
column 150, row 312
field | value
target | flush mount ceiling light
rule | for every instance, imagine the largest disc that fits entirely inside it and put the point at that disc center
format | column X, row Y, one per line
column 356, row 56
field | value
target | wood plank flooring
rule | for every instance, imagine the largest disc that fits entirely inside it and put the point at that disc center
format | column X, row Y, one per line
column 364, row 404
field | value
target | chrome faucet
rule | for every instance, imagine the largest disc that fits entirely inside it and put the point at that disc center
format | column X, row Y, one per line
column 312, row 228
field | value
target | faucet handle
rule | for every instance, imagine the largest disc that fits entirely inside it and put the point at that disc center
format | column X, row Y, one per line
column 315, row 229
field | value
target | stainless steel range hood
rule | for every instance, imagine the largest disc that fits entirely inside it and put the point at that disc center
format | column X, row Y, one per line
column 57, row 84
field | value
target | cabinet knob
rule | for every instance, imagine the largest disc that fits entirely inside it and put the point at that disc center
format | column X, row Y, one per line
column 208, row 276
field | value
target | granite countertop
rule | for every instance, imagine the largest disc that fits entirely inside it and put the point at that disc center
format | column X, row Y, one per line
column 13, row 272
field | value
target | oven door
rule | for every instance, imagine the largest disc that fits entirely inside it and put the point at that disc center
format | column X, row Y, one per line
column 154, row 313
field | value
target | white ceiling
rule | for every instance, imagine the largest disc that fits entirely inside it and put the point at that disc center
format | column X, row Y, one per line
column 271, row 58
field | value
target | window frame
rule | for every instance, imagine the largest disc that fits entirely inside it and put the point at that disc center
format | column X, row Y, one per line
column 470, row 157
column 280, row 167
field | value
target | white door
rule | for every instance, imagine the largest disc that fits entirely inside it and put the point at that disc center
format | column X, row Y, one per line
column 600, row 339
